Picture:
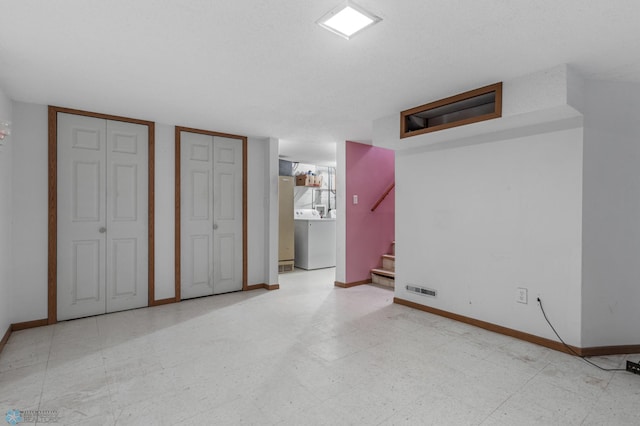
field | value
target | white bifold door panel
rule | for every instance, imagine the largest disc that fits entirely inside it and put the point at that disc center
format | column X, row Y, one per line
column 102, row 216
column 210, row 215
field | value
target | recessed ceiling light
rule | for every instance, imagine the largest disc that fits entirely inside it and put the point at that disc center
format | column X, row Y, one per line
column 347, row 20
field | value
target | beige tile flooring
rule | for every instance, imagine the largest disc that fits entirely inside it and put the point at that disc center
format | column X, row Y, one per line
column 306, row 354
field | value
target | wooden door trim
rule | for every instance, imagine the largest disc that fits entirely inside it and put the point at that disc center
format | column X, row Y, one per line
column 178, row 130
column 52, row 270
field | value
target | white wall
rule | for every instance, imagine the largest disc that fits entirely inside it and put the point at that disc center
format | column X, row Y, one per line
column 502, row 206
column 6, row 239
column 165, row 180
column 271, row 182
column 529, row 101
column 257, row 168
column 476, row 222
column 341, row 212
column 30, row 212
column 611, row 250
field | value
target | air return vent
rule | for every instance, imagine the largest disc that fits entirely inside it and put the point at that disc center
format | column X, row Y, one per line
column 421, row 290
column 476, row 105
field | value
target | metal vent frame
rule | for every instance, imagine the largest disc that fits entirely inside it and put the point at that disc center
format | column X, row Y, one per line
column 424, row 291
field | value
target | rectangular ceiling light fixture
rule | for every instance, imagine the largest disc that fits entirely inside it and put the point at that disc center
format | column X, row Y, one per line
column 347, row 20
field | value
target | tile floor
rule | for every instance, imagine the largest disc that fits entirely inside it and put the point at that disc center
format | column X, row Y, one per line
column 307, row 354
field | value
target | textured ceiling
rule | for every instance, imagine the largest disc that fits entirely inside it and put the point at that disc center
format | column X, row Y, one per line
column 264, row 68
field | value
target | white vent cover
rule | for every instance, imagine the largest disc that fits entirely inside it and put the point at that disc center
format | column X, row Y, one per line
column 422, row 290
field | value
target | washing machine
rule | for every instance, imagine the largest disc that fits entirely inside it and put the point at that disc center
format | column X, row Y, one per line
column 315, row 240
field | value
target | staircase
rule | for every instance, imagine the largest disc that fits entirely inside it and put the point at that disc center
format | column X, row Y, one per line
column 386, row 275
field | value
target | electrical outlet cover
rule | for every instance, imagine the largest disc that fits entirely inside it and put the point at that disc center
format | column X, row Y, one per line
column 633, row 367
column 521, row 296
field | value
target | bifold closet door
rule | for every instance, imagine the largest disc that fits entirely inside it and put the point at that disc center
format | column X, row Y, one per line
column 102, row 216
column 211, row 215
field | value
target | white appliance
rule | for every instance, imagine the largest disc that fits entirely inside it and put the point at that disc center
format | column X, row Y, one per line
column 315, row 240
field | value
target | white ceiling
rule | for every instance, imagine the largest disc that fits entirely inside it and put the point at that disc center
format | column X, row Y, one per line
column 264, row 68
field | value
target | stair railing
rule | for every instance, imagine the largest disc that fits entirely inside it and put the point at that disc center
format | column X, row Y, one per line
column 383, row 196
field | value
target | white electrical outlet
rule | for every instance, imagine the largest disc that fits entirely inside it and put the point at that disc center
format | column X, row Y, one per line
column 521, row 296
column 355, row 199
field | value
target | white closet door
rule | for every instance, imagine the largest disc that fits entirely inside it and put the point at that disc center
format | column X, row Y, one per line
column 81, row 216
column 196, row 215
column 227, row 215
column 211, row 215
column 127, row 216
column 102, row 219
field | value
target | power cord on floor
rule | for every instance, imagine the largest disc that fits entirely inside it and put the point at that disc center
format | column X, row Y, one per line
column 569, row 348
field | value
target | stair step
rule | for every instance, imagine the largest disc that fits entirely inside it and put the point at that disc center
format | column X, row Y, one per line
column 383, row 281
column 384, row 273
column 388, row 262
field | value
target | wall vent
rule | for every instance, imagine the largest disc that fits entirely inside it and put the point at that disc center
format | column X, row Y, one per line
column 285, row 267
column 470, row 107
column 422, row 290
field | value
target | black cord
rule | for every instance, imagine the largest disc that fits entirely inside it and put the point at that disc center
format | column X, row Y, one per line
column 569, row 347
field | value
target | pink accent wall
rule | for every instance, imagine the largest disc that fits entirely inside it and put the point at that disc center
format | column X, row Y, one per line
column 369, row 172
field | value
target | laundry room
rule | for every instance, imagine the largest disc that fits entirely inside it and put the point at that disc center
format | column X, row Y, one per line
column 307, row 197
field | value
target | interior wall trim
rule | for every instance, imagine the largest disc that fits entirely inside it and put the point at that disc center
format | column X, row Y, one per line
column 531, row 338
column 29, row 324
column 263, row 286
column 245, row 250
column 551, row 344
column 20, row 326
column 5, row 339
column 256, row 287
column 351, row 284
column 52, row 293
column 610, row 350
column 166, row 301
